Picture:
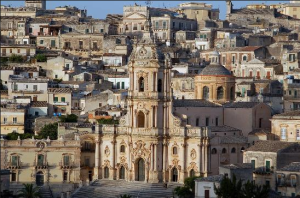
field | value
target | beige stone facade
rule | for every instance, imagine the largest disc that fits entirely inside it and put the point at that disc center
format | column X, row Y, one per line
column 12, row 120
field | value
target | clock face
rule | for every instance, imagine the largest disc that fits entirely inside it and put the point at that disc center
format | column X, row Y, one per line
column 143, row 52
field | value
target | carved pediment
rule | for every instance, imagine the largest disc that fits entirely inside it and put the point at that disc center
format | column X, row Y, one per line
column 135, row 16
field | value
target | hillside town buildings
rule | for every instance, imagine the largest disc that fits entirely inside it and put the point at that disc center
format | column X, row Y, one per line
column 149, row 97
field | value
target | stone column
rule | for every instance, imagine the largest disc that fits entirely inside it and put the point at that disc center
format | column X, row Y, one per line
column 97, row 155
column 155, row 157
column 183, row 148
column 211, row 93
column 151, row 156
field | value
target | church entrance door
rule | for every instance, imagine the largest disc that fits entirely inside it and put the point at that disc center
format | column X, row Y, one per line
column 141, row 170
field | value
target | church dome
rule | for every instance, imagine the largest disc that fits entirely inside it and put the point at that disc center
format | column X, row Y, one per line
column 215, row 70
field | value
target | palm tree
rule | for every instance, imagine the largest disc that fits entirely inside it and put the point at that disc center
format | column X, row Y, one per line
column 29, row 191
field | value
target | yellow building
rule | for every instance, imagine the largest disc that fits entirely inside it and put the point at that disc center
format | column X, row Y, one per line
column 286, row 126
column 215, row 82
column 12, row 120
column 291, row 9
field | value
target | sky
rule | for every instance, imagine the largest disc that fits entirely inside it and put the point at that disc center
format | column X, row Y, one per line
column 99, row 9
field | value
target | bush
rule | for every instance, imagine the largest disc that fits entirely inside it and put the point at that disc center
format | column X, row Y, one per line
column 107, row 121
column 3, row 60
column 41, row 58
column 69, row 118
column 48, row 130
column 16, row 58
column 14, row 136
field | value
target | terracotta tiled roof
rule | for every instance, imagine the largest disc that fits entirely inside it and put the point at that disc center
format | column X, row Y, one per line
column 288, row 114
column 241, row 104
column 233, row 139
column 59, row 90
column 270, row 146
column 237, row 166
column 39, row 104
column 292, row 167
column 194, row 103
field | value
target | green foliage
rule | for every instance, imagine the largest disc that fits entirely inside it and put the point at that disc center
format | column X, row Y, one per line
column 14, row 136
column 125, row 196
column 48, row 130
column 41, row 58
column 68, row 118
column 183, row 192
column 3, row 60
column 6, row 194
column 107, row 121
column 16, row 58
column 29, row 191
column 1, row 85
column 188, row 190
column 231, row 188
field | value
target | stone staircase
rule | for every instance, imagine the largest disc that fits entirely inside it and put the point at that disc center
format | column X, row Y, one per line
column 45, row 192
column 115, row 188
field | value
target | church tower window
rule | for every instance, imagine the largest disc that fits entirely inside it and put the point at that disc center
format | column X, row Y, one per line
column 122, row 149
column 175, row 152
column 141, row 84
column 141, row 119
column 159, row 85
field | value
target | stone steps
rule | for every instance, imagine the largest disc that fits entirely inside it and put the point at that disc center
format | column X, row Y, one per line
column 115, row 188
column 45, row 192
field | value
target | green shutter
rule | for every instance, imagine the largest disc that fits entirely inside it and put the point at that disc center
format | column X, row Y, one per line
column 55, row 99
column 63, row 99
column 253, row 164
column 268, row 166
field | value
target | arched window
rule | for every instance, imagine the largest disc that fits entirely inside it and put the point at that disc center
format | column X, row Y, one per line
column 106, row 172
column 159, row 85
column 205, row 93
column 224, row 150
column 175, row 152
column 245, row 58
column 122, row 149
column 141, row 84
column 214, row 151
column 141, row 119
column 220, row 93
column 233, row 150
column 232, row 93
column 122, row 173
column 192, row 173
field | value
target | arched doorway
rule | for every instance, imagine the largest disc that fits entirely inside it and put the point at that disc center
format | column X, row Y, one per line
column 220, row 93
column 140, row 170
column 39, row 178
column 122, row 173
column 192, row 173
column 141, row 119
column 174, row 175
column 106, row 173
column 205, row 93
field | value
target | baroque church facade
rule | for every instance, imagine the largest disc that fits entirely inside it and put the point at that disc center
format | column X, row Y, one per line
column 151, row 144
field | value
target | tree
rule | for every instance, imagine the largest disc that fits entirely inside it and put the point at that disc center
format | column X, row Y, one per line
column 250, row 190
column 188, row 190
column 14, row 136
column 48, row 130
column 229, row 188
column 235, row 189
column 68, row 118
column 29, row 191
column 16, row 58
column 41, row 58
column 107, row 121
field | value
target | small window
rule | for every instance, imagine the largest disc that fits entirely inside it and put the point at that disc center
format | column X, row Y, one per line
column 41, row 42
column 66, row 160
column 224, row 150
column 175, row 152
column 55, row 99
column 122, row 149
column 15, row 120
column 233, row 150
column 63, row 99
column 13, row 177
column 214, row 151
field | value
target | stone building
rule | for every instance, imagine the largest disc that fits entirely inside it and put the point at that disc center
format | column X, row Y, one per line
column 269, row 156
column 36, row 4
column 286, row 126
column 12, row 120
column 52, row 162
column 60, row 101
column 291, row 87
column 215, row 82
column 288, row 183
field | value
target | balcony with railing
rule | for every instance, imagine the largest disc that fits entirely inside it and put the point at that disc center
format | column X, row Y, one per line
column 13, row 166
column 28, row 91
column 12, row 123
column 61, row 103
column 66, row 166
column 40, row 165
